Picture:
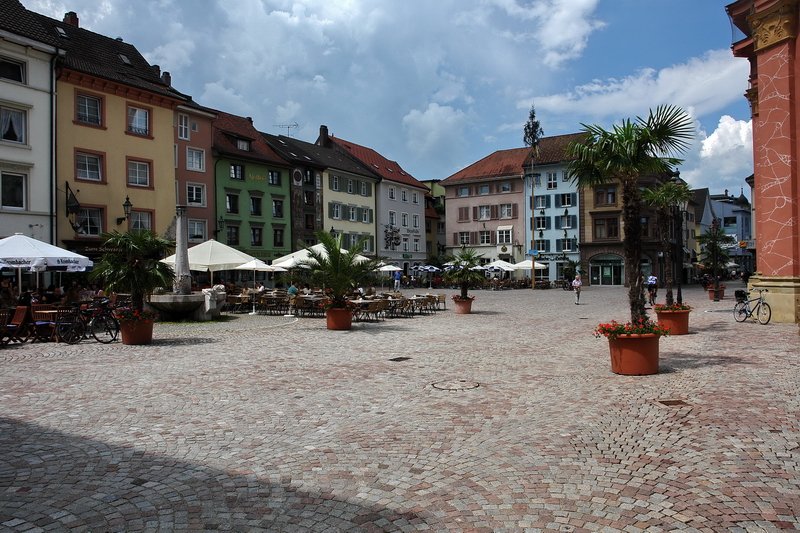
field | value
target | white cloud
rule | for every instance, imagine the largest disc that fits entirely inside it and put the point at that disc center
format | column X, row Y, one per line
column 564, row 29
column 722, row 159
column 287, row 112
column 437, row 132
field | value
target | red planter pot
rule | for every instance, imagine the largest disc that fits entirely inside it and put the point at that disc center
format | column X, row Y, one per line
column 136, row 331
column 634, row 355
column 463, row 307
column 721, row 293
column 676, row 321
column 339, row 319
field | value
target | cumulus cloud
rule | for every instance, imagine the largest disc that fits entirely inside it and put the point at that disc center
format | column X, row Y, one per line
column 287, row 112
column 436, row 131
column 722, row 159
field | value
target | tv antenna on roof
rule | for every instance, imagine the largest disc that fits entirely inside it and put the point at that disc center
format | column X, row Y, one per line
column 287, row 126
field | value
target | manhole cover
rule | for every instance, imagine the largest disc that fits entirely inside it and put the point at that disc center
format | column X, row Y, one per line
column 672, row 402
column 398, row 359
column 455, row 385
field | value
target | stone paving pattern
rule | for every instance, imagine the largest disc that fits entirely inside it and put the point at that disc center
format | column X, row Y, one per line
column 275, row 424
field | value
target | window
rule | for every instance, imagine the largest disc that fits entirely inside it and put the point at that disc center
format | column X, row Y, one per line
column 256, row 236
column 350, row 186
column 12, row 70
column 365, row 215
column 541, row 223
column 336, row 211
column 255, row 205
column 138, row 121
column 364, row 191
column 415, row 197
column 308, row 177
column 504, row 236
column 729, row 222
column 506, row 211
column 463, row 237
column 462, row 191
column 484, row 237
column 552, row 180
column 542, row 245
column 90, row 221
column 309, row 218
column 565, row 200
column 403, row 195
column 195, row 194
column 277, row 237
column 274, row 177
column 195, row 160
column 12, row 191
column 237, row 172
column 568, row 245
column 243, row 144
column 606, row 228
column 391, row 193
column 277, row 208
column 392, row 218
column 415, row 221
column 334, row 183
column 88, row 167
column 505, row 187
column 353, row 213
column 232, row 234
column 484, row 212
column 88, row 110
column 404, row 220
column 197, row 230
column 463, row 214
column 542, row 202
column 367, row 245
column 645, row 223
column 183, row 127
column 605, row 196
column 138, row 173
column 141, row 220
column 12, row 124
column 416, row 244
column 405, row 244
column 565, row 222
column 483, row 189
column 537, row 180
column 308, row 197
column 231, row 203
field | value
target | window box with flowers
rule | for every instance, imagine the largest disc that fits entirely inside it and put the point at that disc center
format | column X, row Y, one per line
column 674, row 317
column 633, row 346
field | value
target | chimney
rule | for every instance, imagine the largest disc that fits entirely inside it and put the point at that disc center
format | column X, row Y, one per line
column 166, row 78
column 324, row 139
column 156, row 69
column 250, row 120
column 71, row 18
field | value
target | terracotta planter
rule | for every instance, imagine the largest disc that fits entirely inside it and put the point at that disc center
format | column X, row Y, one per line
column 634, row 355
column 463, row 307
column 136, row 332
column 676, row 321
column 721, row 292
column 339, row 319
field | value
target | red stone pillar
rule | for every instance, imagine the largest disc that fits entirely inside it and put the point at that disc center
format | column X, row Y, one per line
column 771, row 47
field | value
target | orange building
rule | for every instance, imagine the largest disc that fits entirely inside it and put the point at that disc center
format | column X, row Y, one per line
column 769, row 42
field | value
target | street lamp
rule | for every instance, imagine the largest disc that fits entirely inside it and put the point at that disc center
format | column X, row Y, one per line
column 126, row 208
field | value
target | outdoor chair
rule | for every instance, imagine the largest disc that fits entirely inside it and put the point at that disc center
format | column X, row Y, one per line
column 43, row 318
column 441, row 301
column 18, row 328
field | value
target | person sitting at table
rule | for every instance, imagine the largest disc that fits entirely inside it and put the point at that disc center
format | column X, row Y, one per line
column 306, row 289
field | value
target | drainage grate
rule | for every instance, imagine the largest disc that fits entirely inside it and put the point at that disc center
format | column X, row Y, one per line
column 455, row 385
column 398, row 359
column 672, row 402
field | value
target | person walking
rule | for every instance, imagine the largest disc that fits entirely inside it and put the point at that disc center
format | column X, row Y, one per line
column 576, row 287
column 652, row 288
column 397, row 277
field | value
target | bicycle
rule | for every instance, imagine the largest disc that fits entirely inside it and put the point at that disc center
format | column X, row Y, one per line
column 761, row 310
column 99, row 321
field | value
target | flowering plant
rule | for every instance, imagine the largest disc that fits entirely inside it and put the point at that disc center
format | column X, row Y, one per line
column 614, row 329
column 673, row 307
column 131, row 314
column 459, row 298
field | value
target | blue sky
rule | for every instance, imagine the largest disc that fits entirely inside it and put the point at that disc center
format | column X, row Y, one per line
column 437, row 85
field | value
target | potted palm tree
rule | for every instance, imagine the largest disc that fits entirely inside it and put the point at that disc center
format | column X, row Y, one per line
column 340, row 272
column 464, row 273
column 631, row 149
column 672, row 315
column 715, row 244
column 132, row 264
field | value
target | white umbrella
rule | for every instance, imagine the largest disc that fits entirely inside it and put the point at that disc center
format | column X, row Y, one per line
column 20, row 251
column 261, row 266
column 212, row 256
column 528, row 264
column 499, row 264
column 302, row 257
column 389, row 268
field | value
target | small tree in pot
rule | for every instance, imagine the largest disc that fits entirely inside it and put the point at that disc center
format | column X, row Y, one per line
column 464, row 273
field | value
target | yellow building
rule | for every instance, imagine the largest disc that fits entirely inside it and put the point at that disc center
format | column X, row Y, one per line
column 115, row 139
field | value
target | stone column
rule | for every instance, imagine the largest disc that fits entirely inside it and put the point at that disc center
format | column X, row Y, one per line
column 183, row 278
column 772, row 49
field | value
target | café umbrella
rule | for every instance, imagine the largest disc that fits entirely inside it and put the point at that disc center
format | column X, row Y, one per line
column 260, row 266
column 22, row 252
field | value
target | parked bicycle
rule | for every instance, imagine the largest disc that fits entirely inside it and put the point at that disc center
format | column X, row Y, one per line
column 754, row 307
column 96, row 320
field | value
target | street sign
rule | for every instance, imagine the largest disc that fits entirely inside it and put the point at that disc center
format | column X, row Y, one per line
column 534, row 253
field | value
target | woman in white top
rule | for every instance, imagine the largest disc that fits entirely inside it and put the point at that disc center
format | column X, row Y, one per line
column 576, row 286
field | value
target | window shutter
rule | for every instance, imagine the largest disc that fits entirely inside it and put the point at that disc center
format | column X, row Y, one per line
column 574, row 219
column 455, row 238
column 473, row 237
column 359, row 213
column 369, row 189
column 558, row 222
column 492, row 237
column 474, row 212
column 514, row 211
column 371, row 216
column 547, row 245
column 547, row 222
column 493, row 212
column 371, row 241
column 558, row 200
column 547, row 200
column 330, row 182
column 559, row 244
column 513, row 186
column 574, row 197
column 330, row 209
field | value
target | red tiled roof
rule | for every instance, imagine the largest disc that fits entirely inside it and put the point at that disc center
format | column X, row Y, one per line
column 554, row 149
column 228, row 128
column 500, row 163
column 386, row 169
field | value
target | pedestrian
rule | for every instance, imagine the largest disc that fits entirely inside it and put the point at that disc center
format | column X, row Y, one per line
column 397, row 277
column 576, row 286
column 652, row 288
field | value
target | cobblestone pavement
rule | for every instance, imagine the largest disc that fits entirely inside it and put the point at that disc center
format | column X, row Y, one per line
column 275, row 424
